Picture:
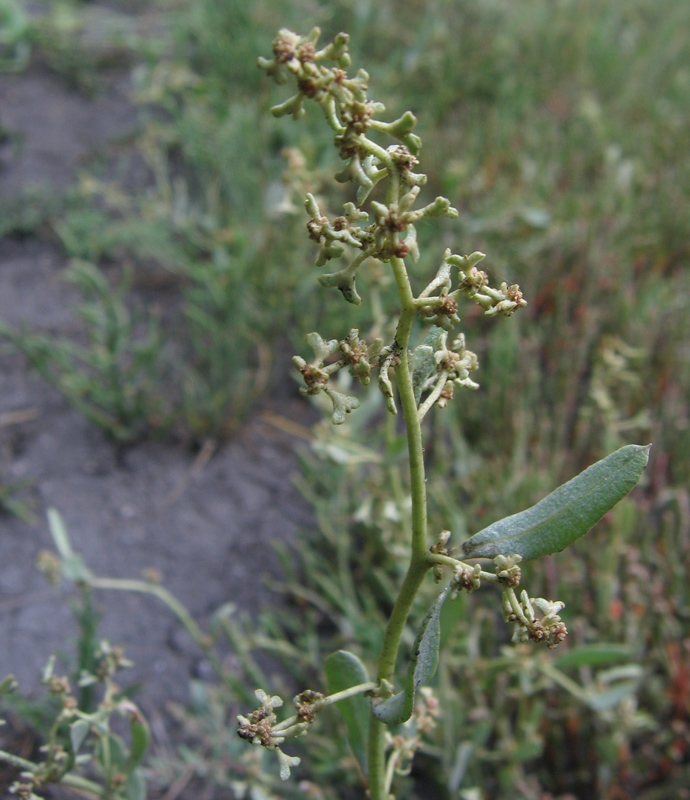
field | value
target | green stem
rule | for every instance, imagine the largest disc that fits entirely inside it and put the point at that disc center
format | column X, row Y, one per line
column 16, row 761
column 390, row 769
column 419, row 562
column 509, row 594
column 324, row 702
column 127, row 585
column 449, row 561
column 435, row 394
column 410, row 412
column 567, row 683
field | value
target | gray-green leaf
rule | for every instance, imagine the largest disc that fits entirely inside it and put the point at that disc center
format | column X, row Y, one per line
column 593, row 655
column 611, row 697
column 72, row 565
column 423, row 662
column 423, row 364
column 566, row 514
column 140, row 738
column 77, row 732
column 343, row 671
column 135, row 788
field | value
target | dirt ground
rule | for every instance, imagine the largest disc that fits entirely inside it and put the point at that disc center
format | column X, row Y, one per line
column 208, row 528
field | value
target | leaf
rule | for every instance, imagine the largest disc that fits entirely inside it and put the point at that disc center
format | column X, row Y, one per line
column 566, row 514
column 611, row 697
column 140, row 737
column 59, row 533
column 423, row 662
column 135, row 788
column 344, row 670
column 77, row 733
column 423, row 364
column 423, row 367
column 592, row 655
column 72, row 565
column 343, row 404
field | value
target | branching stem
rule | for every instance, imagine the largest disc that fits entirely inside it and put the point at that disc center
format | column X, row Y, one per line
column 434, row 395
column 284, row 727
column 449, row 561
column 127, row 585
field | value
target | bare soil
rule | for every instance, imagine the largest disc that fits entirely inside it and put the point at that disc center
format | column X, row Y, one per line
column 207, row 525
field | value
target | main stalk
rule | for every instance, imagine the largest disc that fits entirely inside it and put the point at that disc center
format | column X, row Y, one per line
column 419, row 563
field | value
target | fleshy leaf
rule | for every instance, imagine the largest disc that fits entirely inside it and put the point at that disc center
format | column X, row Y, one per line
column 565, row 515
column 343, row 404
column 611, row 697
column 423, row 364
column 423, row 662
column 135, row 788
column 593, row 655
column 140, row 737
column 77, row 733
column 345, row 282
column 344, row 670
column 72, row 565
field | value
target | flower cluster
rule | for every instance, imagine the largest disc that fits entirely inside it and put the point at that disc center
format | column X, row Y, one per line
column 548, row 628
column 449, row 366
column 75, row 731
column 385, row 234
column 352, row 116
column 262, row 728
column 507, row 569
column 465, row 577
column 354, row 353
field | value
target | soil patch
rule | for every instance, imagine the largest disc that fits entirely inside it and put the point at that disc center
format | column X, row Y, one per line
column 206, row 526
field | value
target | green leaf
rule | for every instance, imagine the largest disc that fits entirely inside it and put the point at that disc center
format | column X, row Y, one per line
column 423, row 662
column 140, row 737
column 343, row 404
column 344, row 670
column 59, row 533
column 77, row 733
column 592, row 655
column 422, row 363
column 566, row 514
column 135, row 788
column 611, row 697
column 72, row 565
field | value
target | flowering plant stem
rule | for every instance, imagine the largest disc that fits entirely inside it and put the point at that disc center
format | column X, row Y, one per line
column 419, row 561
column 419, row 379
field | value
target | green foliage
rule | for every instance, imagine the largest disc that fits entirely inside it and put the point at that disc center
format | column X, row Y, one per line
column 30, row 211
column 344, row 670
column 423, row 378
column 76, row 737
column 421, row 668
column 11, row 501
column 515, row 693
column 211, row 229
column 111, row 379
column 567, row 514
column 15, row 47
column 559, row 132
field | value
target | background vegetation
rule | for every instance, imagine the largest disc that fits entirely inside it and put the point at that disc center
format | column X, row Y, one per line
column 559, row 129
